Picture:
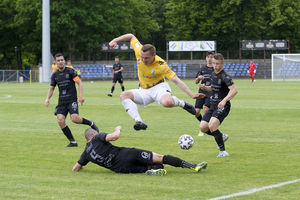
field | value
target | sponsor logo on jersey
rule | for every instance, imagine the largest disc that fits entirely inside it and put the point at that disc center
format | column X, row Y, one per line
column 137, row 44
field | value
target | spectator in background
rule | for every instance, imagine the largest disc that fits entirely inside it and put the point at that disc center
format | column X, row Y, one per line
column 117, row 72
column 54, row 66
column 252, row 71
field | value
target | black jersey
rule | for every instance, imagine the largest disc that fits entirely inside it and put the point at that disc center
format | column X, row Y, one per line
column 117, row 67
column 219, row 84
column 206, row 72
column 100, row 152
column 66, row 85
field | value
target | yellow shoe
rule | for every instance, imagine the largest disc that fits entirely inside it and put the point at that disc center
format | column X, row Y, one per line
column 200, row 166
column 156, row 172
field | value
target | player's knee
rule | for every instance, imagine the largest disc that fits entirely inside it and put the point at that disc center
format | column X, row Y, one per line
column 203, row 127
column 61, row 121
column 167, row 102
column 126, row 95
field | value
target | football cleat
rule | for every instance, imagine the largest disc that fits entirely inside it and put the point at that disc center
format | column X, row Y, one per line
column 72, row 144
column 225, row 137
column 93, row 126
column 156, row 172
column 200, row 166
column 140, row 126
column 223, row 154
column 110, row 95
column 188, row 107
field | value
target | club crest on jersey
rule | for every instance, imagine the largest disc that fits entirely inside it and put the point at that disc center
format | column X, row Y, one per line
column 67, row 76
column 138, row 60
column 145, row 155
column 74, row 105
column 219, row 81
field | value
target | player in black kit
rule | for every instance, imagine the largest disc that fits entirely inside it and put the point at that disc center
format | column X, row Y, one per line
column 100, row 151
column 223, row 90
column 117, row 71
column 65, row 78
column 204, row 75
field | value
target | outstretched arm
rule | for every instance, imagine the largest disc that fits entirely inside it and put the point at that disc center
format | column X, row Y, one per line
column 77, row 167
column 126, row 37
column 114, row 135
column 185, row 88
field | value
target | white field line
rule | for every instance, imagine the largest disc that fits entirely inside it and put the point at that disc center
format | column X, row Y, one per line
column 256, row 190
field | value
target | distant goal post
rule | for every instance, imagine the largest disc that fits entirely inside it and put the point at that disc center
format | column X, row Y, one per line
column 285, row 67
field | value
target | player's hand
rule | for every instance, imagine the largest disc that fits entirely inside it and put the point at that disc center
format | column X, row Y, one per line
column 198, row 96
column 199, row 78
column 221, row 104
column 47, row 102
column 202, row 87
column 118, row 128
column 81, row 100
column 112, row 44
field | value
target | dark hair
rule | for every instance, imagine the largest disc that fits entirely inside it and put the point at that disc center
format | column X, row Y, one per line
column 58, row 55
column 116, row 56
column 218, row 56
column 210, row 53
column 150, row 48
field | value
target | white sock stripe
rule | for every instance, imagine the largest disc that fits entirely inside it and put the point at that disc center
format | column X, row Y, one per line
column 256, row 190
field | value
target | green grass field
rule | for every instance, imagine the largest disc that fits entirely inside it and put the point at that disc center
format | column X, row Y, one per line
column 264, row 148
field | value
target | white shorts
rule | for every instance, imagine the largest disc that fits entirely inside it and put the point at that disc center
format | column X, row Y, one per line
column 145, row 96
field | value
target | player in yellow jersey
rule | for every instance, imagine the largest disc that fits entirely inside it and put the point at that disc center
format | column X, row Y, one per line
column 152, row 71
column 55, row 68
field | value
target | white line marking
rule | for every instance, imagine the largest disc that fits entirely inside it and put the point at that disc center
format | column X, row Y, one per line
column 256, row 190
column 6, row 97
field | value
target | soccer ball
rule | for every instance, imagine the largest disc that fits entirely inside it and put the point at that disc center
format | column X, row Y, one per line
column 185, row 141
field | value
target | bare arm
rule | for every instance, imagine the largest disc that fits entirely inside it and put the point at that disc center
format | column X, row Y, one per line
column 49, row 95
column 205, row 88
column 185, row 88
column 77, row 167
column 232, row 92
column 126, row 37
column 114, row 135
column 80, row 91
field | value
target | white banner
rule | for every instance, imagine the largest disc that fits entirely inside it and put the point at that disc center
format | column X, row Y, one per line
column 192, row 46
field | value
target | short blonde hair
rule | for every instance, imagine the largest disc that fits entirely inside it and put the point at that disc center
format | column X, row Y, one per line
column 89, row 134
column 219, row 56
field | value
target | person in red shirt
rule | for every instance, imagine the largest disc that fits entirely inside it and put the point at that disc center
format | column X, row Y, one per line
column 252, row 71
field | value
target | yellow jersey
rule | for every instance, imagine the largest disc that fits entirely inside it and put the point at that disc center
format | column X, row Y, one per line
column 54, row 67
column 150, row 75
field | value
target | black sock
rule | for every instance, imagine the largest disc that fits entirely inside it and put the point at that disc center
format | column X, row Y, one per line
column 112, row 89
column 209, row 133
column 199, row 118
column 123, row 88
column 177, row 162
column 68, row 134
column 219, row 139
column 87, row 122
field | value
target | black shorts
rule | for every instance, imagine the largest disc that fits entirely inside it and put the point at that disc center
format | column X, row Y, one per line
column 203, row 101
column 118, row 78
column 64, row 108
column 132, row 160
column 216, row 112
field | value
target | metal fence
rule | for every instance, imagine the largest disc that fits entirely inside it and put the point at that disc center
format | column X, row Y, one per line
column 19, row 75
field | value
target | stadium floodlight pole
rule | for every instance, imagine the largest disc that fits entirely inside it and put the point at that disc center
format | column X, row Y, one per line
column 46, row 42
